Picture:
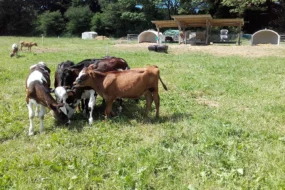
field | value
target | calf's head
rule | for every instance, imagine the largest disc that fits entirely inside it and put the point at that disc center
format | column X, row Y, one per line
column 86, row 77
column 68, row 76
column 59, row 112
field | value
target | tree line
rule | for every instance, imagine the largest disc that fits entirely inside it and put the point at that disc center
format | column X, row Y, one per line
column 120, row 17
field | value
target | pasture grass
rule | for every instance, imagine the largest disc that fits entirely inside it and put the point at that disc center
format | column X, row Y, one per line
column 221, row 125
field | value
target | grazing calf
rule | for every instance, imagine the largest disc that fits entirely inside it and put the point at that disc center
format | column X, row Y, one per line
column 64, row 96
column 38, row 94
column 123, row 84
column 14, row 50
column 28, row 44
column 66, row 75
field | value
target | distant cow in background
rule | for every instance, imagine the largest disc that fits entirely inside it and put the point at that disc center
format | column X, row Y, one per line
column 28, row 44
column 14, row 50
column 38, row 95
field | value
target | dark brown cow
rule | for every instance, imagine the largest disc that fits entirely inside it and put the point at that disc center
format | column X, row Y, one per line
column 38, row 94
column 123, row 84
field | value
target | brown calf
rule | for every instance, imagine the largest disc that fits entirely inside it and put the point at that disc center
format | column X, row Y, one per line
column 123, row 84
column 38, row 95
column 28, row 44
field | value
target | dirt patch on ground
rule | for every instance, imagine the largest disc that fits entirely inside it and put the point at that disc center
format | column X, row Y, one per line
column 44, row 50
column 217, row 50
column 209, row 103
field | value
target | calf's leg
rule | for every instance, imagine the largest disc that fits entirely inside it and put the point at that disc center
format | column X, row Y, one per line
column 41, row 116
column 108, row 108
column 120, row 100
column 31, row 117
column 148, row 97
column 156, row 101
column 91, row 105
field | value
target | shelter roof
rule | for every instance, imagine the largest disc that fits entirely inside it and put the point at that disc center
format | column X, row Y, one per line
column 192, row 20
column 227, row 22
column 165, row 23
column 196, row 21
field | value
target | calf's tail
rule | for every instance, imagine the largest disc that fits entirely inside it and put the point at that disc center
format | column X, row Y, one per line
column 164, row 86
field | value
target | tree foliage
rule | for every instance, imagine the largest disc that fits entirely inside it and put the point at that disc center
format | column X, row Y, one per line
column 119, row 17
column 51, row 23
column 241, row 6
column 79, row 19
column 16, row 17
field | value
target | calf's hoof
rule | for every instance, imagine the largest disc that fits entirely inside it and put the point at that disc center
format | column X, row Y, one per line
column 68, row 123
column 31, row 133
column 90, row 121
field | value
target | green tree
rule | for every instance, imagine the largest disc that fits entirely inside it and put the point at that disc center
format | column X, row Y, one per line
column 51, row 5
column 241, row 6
column 93, row 5
column 51, row 23
column 97, row 24
column 16, row 17
column 120, row 17
column 79, row 19
column 279, row 22
column 171, row 6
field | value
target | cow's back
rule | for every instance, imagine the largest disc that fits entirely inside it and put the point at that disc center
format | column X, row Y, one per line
column 131, row 83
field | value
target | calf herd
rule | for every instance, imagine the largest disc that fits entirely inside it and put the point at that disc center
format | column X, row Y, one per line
column 22, row 44
column 76, row 86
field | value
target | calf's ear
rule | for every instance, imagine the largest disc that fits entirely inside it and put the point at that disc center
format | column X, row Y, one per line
column 59, row 105
column 75, row 71
column 56, row 105
column 70, row 92
column 98, row 73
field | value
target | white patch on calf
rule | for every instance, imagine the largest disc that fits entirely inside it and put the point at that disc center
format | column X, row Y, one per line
column 63, row 109
column 91, row 105
column 80, row 74
column 60, row 94
column 40, row 63
column 14, row 46
column 70, row 110
column 90, row 94
column 35, row 76
column 41, row 114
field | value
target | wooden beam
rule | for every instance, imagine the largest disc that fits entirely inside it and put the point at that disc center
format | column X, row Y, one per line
column 239, row 34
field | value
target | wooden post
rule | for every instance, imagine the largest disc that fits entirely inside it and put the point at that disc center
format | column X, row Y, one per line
column 239, row 34
column 207, row 32
column 158, row 39
column 210, row 30
column 179, row 28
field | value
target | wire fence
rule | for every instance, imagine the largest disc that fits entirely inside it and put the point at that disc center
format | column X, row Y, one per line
column 132, row 37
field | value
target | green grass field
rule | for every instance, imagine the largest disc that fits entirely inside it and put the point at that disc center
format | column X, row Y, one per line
column 221, row 125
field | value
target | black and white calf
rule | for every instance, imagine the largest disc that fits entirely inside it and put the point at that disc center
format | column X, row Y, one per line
column 66, row 74
column 38, row 95
column 72, row 98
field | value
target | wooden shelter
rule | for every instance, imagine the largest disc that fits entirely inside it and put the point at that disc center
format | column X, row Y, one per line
column 184, row 21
